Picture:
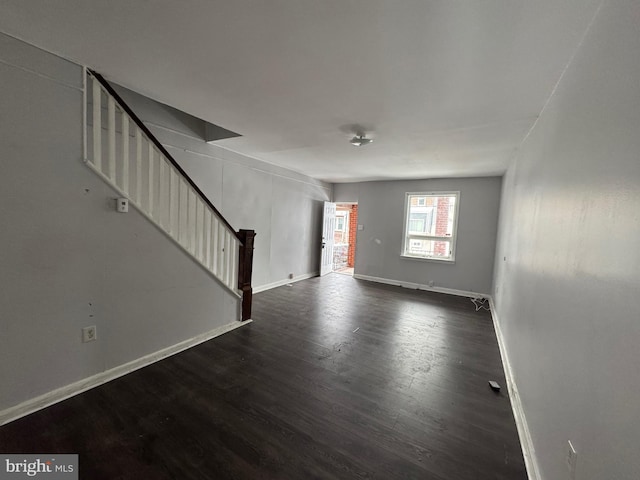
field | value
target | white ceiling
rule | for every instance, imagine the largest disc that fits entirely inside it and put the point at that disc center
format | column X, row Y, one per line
column 448, row 87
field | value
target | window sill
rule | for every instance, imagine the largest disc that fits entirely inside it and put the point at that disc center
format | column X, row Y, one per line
column 430, row 259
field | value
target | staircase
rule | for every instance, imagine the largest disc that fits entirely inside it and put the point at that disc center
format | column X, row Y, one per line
column 126, row 155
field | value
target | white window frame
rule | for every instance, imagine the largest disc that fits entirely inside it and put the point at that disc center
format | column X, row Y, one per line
column 454, row 233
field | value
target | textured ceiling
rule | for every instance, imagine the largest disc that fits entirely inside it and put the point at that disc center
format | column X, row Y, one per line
column 447, row 88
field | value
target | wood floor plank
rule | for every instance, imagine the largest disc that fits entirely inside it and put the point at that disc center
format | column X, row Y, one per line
column 336, row 378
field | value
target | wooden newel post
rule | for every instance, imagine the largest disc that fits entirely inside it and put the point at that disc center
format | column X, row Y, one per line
column 245, row 269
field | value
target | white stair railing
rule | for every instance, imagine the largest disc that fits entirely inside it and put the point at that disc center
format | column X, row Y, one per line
column 120, row 149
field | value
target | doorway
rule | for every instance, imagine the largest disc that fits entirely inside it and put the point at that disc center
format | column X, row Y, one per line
column 344, row 238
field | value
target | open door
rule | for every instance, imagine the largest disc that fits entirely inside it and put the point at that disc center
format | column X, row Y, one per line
column 328, row 227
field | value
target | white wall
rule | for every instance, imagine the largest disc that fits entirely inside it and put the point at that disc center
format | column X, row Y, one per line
column 67, row 259
column 381, row 213
column 568, row 261
column 283, row 207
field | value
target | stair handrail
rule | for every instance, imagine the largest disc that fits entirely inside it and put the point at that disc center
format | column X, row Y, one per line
column 236, row 275
column 107, row 86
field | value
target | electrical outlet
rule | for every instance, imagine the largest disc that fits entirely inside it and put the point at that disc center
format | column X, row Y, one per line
column 571, row 459
column 89, row 334
column 122, row 205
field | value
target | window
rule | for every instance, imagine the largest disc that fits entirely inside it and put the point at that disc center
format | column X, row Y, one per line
column 430, row 225
column 416, row 225
column 341, row 231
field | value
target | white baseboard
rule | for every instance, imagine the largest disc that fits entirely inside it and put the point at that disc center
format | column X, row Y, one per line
column 524, row 434
column 417, row 286
column 55, row 396
column 526, row 442
column 280, row 283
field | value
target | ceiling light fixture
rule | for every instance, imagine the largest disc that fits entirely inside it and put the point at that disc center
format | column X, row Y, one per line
column 359, row 140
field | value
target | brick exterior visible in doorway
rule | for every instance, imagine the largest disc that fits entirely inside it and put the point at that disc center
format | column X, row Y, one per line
column 353, row 228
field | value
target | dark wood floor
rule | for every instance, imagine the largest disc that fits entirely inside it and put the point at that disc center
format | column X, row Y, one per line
column 336, row 378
